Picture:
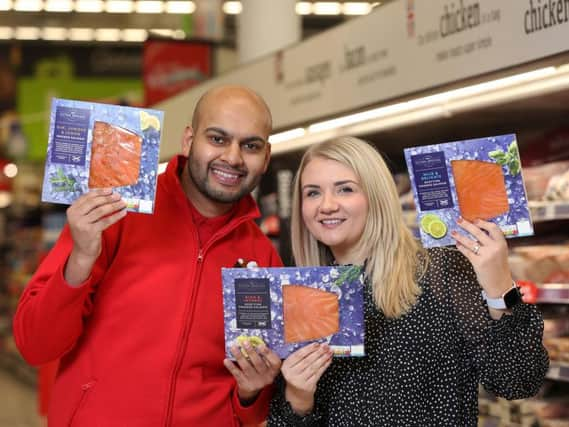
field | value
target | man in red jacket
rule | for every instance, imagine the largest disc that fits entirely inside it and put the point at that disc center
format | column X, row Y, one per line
column 131, row 304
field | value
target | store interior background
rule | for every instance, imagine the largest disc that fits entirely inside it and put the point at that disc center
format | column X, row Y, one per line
column 35, row 66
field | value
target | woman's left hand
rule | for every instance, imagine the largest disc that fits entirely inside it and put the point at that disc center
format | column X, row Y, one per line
column 488, row 254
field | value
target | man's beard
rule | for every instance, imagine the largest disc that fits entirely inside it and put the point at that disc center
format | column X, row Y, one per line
column 218, row 196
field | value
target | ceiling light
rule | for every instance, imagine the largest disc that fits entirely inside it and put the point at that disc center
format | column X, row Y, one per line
column 107, row 34
column 179, row 34
column 5, row 199
column 27, row 33
column 28, row 5
column 164, row 32
column 6, row 33
column 287, row 135
column 81, row 34
column 10, row 170
column 326, row 8
column 5, row 4
column 119, row 6
column 232, row 7
column 89, row 6
column 149, row 6
column 181, row 7
column 58, row 6
column 356, row 8
column 303, row 8
column 54, row 33
column 134, row 35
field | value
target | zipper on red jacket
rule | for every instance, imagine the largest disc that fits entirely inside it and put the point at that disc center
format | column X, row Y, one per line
column 188, row 318
column 182, row 350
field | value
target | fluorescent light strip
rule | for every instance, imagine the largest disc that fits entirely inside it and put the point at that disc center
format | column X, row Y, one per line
column 6, row 33
column 119, row 6
column 149, row 6
column 5, row 4
column 326, row 8
column 232, row 7
column 430, row 100
column 107, row 34
column 287, row 135
column 134, row 35
column 164, row 32
column 180, row 7
column 27, row 33
column 28, row 5
column 444, row 104
column 179, row 34
column 303, row 8
column 81, row 34
column 54, row 33
column 89, row 6
column 58, row 6
column 356, row 8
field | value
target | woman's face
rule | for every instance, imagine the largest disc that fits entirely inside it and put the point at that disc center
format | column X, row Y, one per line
column 334, row 206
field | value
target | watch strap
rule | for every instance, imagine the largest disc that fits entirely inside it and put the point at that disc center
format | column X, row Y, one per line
column 500, row 303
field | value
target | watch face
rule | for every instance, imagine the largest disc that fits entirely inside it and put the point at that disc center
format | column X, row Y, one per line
column 512, row 297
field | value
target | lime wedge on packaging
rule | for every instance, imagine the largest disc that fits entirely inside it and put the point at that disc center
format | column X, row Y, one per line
column 426, row 221
column 437, row 229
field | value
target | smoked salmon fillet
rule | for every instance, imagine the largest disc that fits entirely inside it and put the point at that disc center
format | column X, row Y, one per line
column 480, row 188
column 309, row 313
column 115, row 156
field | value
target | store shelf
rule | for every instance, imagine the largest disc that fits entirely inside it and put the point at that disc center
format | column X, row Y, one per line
column 558, row 371
column 549, row 211
column 553, row 293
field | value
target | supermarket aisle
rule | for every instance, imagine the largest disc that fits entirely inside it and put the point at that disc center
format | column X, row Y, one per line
column 17, row 403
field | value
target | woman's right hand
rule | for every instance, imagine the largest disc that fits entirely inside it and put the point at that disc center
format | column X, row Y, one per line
column 87, row 217
column 302, row 370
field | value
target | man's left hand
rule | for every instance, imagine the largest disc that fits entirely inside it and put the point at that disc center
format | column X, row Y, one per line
column 254, row 371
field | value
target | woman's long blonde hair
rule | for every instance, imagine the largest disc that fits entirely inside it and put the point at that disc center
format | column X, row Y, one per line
column 392, row 253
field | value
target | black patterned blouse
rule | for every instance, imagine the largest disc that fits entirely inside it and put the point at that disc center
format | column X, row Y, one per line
column 424, row 368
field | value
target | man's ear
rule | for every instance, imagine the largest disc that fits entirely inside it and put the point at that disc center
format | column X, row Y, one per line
column 267, row 157
column 187, row 139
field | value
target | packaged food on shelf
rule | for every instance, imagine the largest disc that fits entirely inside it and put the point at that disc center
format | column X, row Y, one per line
column 558, row 187
column 539, row 263
column 536, row 178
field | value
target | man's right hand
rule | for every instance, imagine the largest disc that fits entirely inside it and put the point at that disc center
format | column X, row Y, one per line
column 87, row 217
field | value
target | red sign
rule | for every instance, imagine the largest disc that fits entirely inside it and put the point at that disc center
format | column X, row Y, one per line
column 5, row 182
column 171, row 66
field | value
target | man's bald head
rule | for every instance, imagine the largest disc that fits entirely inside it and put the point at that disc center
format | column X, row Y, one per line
column 217, row 95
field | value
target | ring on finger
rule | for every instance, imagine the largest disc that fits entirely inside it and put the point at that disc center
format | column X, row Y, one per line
column 476, row 249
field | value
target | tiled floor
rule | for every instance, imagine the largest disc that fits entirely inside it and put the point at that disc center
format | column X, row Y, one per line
column 18, row 406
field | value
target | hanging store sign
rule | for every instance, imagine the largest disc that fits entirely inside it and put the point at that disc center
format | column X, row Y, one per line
column 402, row 47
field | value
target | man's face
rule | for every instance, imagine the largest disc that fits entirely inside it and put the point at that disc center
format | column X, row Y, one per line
column 229, row 150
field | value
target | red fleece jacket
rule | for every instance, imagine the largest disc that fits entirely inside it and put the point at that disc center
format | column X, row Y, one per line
column 141, row 342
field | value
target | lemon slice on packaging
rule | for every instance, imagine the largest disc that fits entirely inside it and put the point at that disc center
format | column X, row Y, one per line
column 437, row 229
column 253, row 340
column 148, row 121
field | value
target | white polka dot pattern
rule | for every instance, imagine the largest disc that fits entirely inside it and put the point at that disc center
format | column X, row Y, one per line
column 424, row 368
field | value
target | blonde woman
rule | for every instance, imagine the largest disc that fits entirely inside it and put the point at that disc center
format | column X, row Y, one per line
column 431, row 337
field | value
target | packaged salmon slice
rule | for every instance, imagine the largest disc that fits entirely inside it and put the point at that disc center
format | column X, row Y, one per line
column 309, row 313
column 480, row 189
column 115, row 156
